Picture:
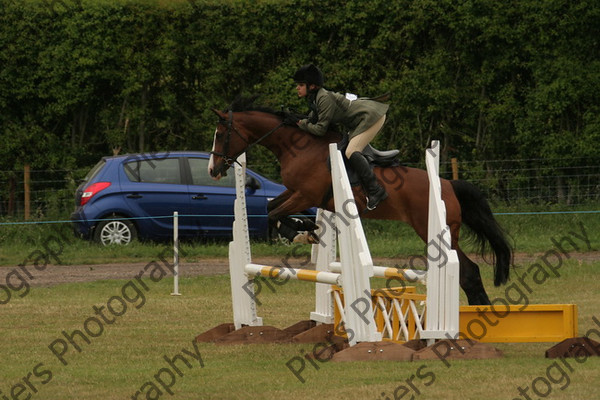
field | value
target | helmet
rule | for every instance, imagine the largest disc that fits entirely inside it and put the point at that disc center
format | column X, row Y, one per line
column 309, row 74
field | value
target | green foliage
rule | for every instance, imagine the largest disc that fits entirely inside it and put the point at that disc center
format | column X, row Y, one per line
column 492, row 80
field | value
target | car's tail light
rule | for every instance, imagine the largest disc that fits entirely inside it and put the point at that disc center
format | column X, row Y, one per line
column 92, row 190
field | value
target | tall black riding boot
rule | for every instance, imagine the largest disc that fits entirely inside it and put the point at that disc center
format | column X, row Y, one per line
column 375, row 192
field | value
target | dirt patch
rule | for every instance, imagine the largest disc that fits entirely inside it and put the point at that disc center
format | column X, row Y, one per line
column 59, row 274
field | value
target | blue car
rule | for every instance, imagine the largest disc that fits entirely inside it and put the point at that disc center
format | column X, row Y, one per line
column 134, row 196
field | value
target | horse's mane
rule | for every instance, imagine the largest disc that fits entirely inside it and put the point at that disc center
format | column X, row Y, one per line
column 242, row 103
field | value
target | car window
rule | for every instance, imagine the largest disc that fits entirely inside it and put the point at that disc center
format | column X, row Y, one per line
column 165, row 170
column 199, row 169
column 92, row 173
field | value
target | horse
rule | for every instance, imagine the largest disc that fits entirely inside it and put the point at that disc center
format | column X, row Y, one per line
column 305, row 173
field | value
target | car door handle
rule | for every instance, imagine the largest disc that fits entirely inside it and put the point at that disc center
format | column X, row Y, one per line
column 199, row 197
column 134, row 196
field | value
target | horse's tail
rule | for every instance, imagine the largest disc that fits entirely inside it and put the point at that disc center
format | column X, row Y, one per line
column 484, row 229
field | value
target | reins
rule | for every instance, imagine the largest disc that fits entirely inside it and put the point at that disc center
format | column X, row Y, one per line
column 230, row 127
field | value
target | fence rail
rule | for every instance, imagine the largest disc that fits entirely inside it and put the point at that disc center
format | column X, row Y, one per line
column 568, row 182
column 51, row 192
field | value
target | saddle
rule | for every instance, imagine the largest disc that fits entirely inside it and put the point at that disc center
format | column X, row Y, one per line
column 302, row 230
column 381, row 158
column 376, row 158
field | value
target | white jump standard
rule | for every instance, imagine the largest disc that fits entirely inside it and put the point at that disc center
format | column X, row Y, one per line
column 356, row 266
column 351, row 273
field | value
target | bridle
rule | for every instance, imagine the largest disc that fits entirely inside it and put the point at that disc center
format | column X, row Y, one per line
column 229, row 160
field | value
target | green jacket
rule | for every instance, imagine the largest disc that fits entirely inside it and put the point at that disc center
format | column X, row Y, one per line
column 334, row 108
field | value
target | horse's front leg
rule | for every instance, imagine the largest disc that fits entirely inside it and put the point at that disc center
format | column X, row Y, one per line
column 286, row 204
column 273, row 218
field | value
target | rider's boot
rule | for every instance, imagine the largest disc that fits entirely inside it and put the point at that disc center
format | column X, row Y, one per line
column 375, row 192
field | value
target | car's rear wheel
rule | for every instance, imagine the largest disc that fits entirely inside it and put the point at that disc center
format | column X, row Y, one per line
column 121, row 232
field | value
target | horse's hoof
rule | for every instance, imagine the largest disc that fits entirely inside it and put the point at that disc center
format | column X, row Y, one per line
column 313, row 237
column 306, row 238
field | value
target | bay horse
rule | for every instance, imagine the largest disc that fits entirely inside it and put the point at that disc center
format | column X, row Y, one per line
column 305, row 172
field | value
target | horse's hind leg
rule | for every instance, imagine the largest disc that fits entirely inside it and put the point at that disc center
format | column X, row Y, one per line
column 470, row 280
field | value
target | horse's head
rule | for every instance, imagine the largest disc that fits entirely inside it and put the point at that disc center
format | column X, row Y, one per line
column 229, row 143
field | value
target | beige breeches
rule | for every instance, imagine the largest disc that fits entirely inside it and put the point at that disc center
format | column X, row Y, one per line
column 360, row 141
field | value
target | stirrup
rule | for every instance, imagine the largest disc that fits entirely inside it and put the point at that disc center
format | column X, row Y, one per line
column 373, row 201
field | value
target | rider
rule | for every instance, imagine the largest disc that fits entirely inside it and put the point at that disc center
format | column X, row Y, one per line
column 363, row 117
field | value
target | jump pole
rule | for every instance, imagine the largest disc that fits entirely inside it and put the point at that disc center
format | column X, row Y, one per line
column 409, row 275
column 298, row 274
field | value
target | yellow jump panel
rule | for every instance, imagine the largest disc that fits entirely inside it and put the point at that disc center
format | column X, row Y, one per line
column 519, row 323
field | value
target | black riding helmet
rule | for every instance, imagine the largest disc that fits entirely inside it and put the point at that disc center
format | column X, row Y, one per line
column 309, row 74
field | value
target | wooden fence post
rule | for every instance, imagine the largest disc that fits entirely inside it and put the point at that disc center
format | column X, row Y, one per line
column 454, row 162
column 27, row 193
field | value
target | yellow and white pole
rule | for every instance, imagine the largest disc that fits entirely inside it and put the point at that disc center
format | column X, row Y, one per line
column 293, row 273
column 410, row 275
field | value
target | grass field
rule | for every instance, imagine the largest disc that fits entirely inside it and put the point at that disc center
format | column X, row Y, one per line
column 528, row 233
column 118, row 354
column 125, row 353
